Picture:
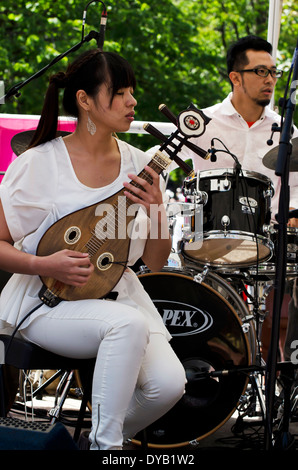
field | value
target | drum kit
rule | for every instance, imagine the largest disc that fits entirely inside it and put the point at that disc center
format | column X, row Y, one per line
column 212, row 298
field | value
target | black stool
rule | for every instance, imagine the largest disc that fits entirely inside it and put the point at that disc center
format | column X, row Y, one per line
column 24, row 355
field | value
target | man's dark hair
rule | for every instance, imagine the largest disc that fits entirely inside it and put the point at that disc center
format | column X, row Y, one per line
column 236, row 55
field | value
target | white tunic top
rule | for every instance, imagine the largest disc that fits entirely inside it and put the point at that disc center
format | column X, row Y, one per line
column 39, row 188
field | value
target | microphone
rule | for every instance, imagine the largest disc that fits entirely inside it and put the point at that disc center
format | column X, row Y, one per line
column 212, row 153
column 99, row 37
column 102, row 29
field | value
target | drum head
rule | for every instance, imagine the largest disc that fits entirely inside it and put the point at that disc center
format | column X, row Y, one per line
column 232, row 249
column 207, row 336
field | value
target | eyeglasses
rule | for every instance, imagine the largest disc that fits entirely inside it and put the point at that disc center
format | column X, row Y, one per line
column 264, row 72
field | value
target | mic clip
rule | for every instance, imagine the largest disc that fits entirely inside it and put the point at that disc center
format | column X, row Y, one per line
column 212, row 154
column 275, row 128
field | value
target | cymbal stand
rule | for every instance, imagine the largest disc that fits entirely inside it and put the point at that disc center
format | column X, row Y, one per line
column 281, row 170
column 283, row 438
column 256, row 302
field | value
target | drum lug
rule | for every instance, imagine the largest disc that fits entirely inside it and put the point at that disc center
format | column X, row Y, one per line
column 225, row 221
column 200, row 277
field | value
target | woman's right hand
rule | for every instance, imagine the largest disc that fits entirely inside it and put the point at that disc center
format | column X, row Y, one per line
column 70, row 267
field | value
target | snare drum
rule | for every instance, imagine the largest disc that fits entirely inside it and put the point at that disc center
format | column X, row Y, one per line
column 236, row 218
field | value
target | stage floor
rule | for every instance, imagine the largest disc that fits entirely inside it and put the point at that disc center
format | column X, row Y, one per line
column 238, row 433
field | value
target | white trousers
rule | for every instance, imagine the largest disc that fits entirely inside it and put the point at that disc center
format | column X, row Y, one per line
column 137, row 376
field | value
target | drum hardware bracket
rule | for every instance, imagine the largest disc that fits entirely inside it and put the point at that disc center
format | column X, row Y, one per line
column 200, row 277
column 142, row 269
column 199, row 197
column 194, row 443
column 226, row 372
column 268, row 193
column 245, row 328
column 248, row 209
column 246, row 323
column 196, row 198
column 268, row 229
column 202, row 197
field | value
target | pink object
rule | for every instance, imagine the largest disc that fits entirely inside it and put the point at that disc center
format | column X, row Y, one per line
column 12, row 124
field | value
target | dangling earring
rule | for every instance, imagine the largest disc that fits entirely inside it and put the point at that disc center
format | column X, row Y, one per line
column 91, row 126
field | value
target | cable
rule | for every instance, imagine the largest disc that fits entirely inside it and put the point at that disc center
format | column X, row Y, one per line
column 19, row 324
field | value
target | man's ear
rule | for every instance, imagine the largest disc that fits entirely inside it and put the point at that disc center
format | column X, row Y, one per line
column 235, row 78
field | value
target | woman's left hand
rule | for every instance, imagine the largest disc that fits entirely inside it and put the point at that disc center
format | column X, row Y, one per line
column 147, row 192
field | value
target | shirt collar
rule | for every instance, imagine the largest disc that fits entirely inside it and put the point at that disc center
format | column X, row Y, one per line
column 229, row 110
column 227, row 106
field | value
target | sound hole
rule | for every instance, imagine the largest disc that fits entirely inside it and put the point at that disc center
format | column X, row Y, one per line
column 72, row 235
column 105, row 261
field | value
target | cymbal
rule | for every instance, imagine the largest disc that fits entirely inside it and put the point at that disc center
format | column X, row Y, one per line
column 20, row 142
column 270, row 159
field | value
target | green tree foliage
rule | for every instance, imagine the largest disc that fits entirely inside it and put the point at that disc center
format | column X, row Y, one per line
column 177, row 48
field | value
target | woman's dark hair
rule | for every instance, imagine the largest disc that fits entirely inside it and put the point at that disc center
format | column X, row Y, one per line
column 236, row 55
column 88, row 72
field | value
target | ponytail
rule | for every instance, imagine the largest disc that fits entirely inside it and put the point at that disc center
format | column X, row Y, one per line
column 47, row 126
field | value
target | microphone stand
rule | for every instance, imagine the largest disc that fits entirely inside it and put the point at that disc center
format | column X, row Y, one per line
column 282, row 170
column 14, row 91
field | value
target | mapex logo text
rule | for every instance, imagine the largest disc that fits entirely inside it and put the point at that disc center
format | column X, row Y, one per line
column 186, row 319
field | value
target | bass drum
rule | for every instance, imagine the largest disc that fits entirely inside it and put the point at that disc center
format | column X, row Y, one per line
column 211, row 331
